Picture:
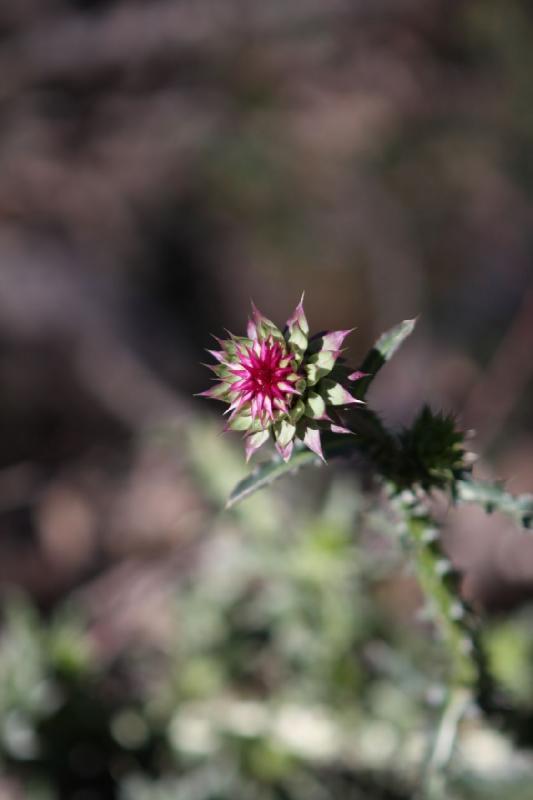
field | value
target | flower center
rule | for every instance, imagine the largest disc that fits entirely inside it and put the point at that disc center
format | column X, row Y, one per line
column 263, row 383
column 263, row 376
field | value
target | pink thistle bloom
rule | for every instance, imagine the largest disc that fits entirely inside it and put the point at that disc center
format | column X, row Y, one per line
column 282, row 385
column 262, row 373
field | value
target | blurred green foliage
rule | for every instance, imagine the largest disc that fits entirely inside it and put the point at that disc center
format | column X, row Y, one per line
column 289, row 674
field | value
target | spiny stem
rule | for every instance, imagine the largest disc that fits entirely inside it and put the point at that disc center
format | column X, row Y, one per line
column 440, row 752
column 469, row 678
column 440, row 582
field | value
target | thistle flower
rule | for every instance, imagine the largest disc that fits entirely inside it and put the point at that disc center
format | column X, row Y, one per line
column 283, row 386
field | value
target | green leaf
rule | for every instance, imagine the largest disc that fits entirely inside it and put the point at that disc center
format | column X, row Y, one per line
column 383, row 350
column 266, row 473
column 389, row 342
column 270, row 471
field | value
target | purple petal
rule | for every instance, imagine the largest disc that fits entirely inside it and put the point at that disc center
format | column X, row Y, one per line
column 218, row 355
column 349, row 399
column 259, row 318
column 339, row 429
column 343, row 397
column 281, row 405
column 357, row 375
column 298, row 316
column 287, row 388
column 239, row 403
column 267, row 403
column 332, row 340
column 251, row 329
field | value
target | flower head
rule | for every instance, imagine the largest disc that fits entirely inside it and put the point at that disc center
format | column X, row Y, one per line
column 282, row 384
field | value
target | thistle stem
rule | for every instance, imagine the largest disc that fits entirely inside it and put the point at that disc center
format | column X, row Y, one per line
column 440, row 751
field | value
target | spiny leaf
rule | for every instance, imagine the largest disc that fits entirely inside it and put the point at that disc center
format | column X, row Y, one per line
column 493, row 497
column 383, row 350
column 389, row 342
column 270, row 471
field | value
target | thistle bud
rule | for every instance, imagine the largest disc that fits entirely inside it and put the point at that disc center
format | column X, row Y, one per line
column 283, row 385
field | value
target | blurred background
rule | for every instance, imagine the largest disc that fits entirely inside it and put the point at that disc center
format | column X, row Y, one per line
column 161, row 163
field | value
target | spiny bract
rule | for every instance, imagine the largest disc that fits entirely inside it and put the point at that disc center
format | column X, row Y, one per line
column 283, row 385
